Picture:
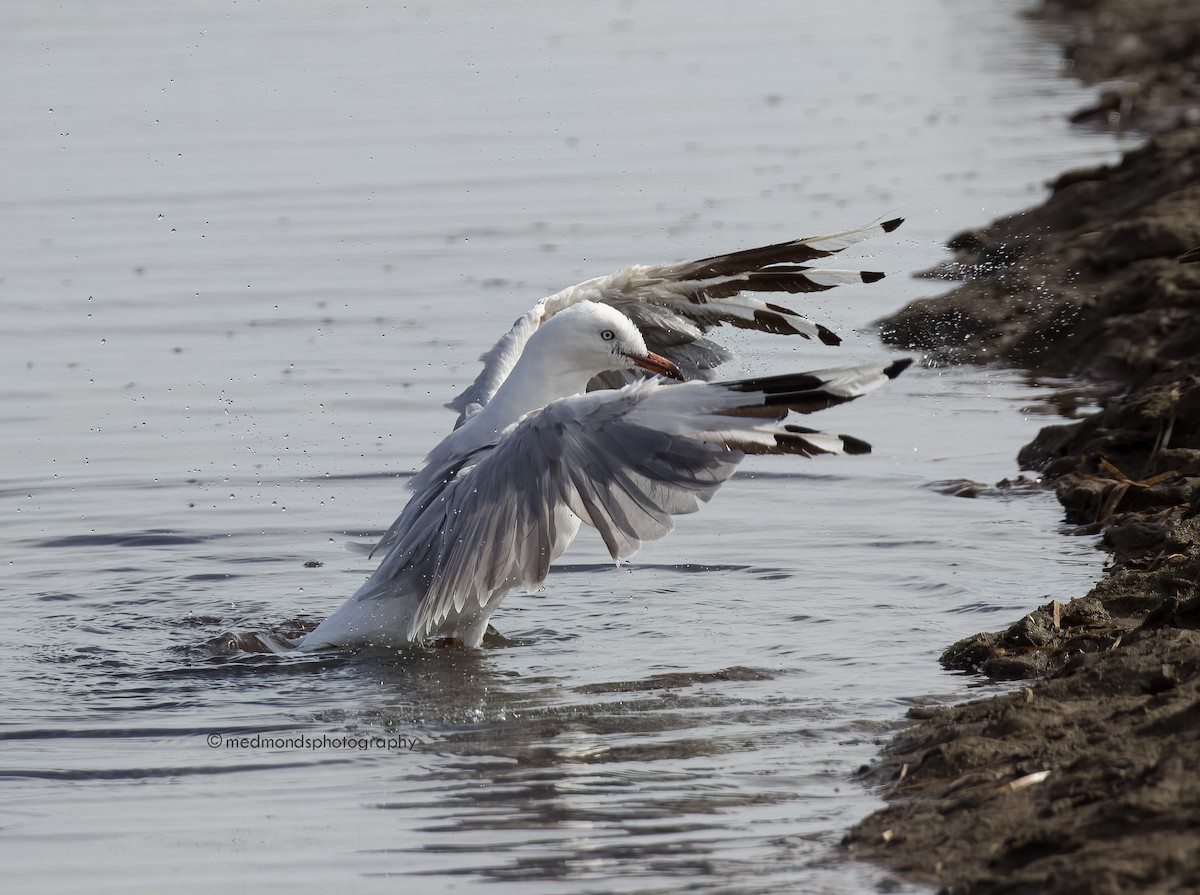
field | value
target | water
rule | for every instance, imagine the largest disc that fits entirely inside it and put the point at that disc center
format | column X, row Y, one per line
column 250, row 249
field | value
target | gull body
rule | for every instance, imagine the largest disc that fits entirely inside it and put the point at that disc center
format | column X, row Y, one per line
column 563, row 428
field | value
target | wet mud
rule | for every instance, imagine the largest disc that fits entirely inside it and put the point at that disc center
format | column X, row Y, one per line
column 1084, row 779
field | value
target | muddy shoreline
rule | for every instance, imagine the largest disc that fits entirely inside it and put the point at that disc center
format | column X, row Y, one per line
column 1084, row 779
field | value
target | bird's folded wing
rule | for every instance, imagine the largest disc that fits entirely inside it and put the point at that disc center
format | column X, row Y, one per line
column 624, row 462
column 674, row 305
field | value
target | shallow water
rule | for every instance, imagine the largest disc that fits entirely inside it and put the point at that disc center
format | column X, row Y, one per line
column 250, row 251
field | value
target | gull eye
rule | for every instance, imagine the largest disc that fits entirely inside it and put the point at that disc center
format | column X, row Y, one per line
column 607, row 335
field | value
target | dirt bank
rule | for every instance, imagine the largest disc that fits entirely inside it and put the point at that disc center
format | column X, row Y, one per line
column 1085, row 780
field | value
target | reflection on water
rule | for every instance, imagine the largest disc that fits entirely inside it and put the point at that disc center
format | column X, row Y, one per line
column 252, row 250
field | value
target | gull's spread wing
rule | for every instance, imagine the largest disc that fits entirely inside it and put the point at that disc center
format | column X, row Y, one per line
column 624, row 462
column 674, row 305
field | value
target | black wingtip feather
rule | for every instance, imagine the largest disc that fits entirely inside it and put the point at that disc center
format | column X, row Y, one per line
column 872, row 276
column 771, row 322
column 854, row 446
column 895, row 368
column 889, row 226
column 850, row 444
column 828, row 336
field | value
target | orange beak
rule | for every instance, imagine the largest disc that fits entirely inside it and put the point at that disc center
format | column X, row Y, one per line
column 656, row 363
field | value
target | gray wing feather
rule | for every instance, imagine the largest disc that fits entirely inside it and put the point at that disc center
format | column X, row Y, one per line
column 493, row 526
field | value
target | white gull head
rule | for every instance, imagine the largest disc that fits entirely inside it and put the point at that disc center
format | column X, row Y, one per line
column 590, row 338
column 565, row 353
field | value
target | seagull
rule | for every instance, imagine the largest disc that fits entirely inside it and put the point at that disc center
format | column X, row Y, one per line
column 599, row 408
